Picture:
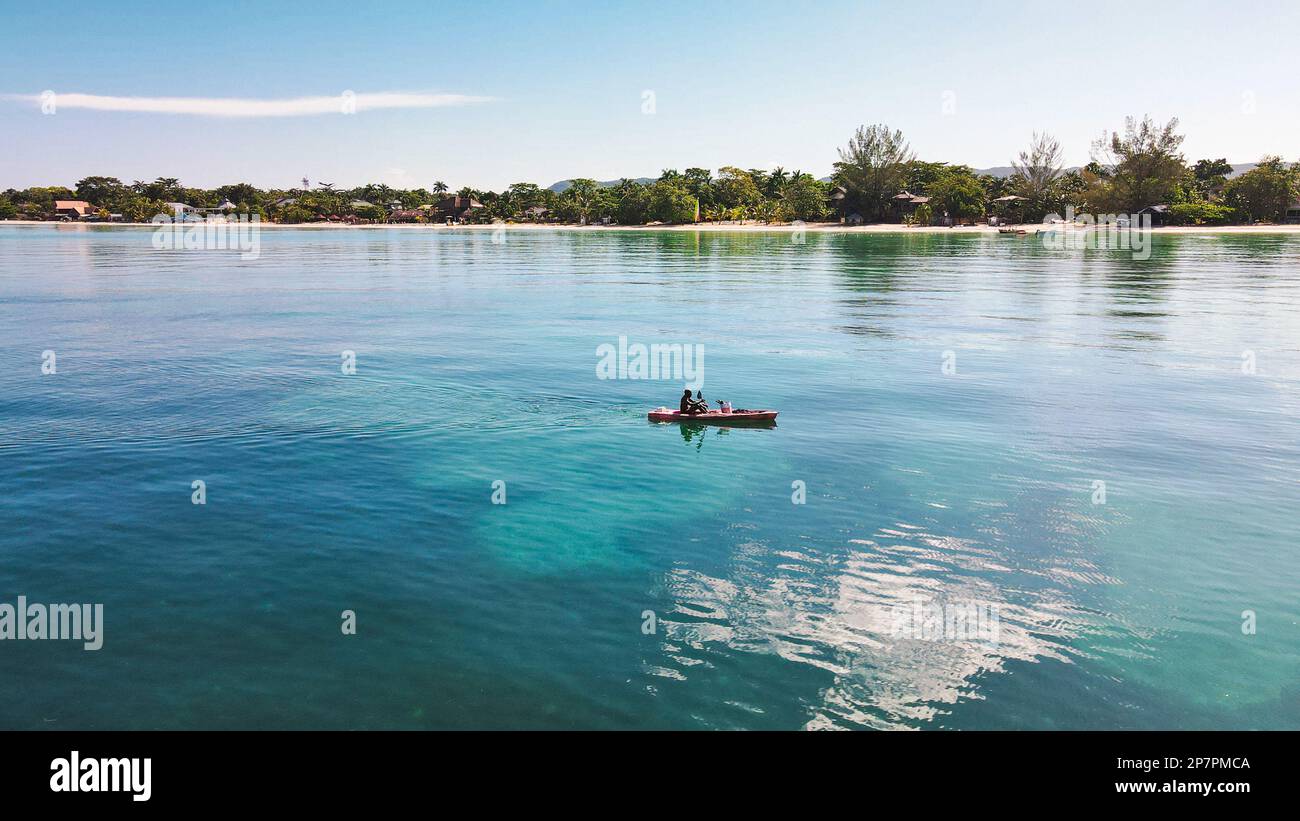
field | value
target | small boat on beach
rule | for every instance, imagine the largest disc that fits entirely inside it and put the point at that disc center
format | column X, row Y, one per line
column 740, row 416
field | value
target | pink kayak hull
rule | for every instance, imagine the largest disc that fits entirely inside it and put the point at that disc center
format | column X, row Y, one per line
column 714, row 417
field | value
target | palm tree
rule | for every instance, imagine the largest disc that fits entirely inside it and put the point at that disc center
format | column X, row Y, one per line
column 164, row 188
column 776, row 181
column 440, row 188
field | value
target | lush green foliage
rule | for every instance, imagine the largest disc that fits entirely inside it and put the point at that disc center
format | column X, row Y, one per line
column 1200, row 213
column 958, row 194
column 1264, row 192
column 1037, row 176
column 803, row 198
column 1209, row 177
column 872, row 169
column 1141, row 167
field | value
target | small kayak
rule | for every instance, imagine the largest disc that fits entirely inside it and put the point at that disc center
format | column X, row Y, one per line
column 736, row 417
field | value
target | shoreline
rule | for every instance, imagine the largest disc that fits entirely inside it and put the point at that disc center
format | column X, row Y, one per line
column 812, row 228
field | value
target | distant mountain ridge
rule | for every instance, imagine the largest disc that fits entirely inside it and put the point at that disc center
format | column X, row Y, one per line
column 999, row 171
column 563, row 185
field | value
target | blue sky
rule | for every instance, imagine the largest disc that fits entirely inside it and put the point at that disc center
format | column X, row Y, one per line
column 753, row 84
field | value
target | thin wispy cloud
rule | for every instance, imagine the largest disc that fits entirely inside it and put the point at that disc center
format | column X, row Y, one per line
column 345, row 103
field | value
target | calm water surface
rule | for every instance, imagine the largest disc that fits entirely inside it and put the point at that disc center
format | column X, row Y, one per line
column 476, row 362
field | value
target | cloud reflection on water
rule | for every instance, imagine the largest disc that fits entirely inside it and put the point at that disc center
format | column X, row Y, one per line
column 839, row 613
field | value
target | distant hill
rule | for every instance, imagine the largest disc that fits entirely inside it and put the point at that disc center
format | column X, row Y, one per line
column 1001, row 171
column 563, row 185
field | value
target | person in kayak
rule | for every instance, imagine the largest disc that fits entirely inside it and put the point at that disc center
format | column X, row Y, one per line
column 691, row 406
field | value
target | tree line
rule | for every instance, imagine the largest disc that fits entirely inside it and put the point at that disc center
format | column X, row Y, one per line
column 1138, row 166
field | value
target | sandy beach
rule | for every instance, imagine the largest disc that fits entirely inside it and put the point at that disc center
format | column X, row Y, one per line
column 712, row 227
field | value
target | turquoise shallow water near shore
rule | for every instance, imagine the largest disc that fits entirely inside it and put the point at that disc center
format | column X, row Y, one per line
column 476, row 362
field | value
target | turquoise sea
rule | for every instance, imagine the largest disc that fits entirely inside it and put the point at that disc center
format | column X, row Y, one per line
column 951, row 405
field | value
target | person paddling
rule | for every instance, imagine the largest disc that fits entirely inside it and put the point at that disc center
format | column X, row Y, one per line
column 691, row 406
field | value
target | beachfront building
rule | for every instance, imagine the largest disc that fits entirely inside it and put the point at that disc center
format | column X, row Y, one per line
column 838, row 198
column 224, row 208
column 457, row 208
column 72, row 209
column 420, row 214
column 901, row 206
column 182, row 212
column 1292, row 214
column 1158, row 214
column 1008, row 209
column 906, row 203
